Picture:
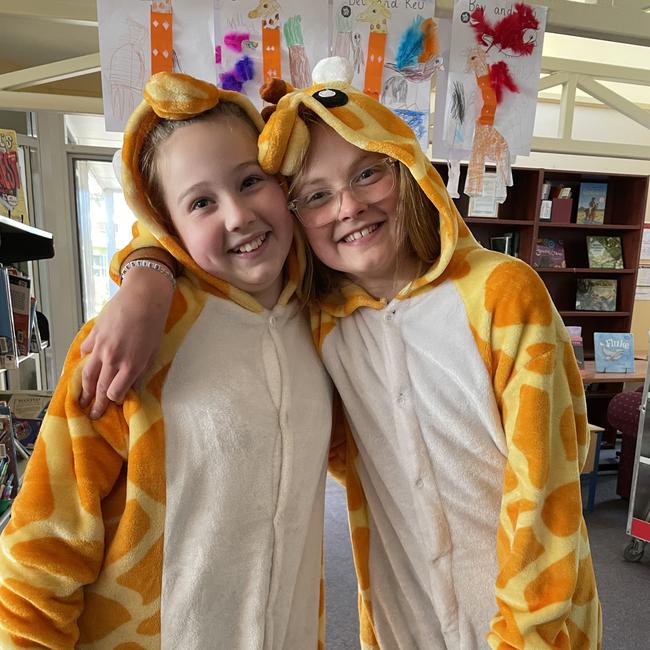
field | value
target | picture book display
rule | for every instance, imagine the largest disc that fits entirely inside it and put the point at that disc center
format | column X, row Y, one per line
column 604, row 252
column 614, row 351
column 591, row 203
column 596, row 294
column 549, row 253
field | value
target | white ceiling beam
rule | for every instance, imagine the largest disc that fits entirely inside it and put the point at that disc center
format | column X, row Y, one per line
column 585, row 148
column 24, row 101
column 61, row 11
column 615, row 101
column 567, row 107
column 598, row 70
column 609, row 23
column 44, row 74
column 552, row 80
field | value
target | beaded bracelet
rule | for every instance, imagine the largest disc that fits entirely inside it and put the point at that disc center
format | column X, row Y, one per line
column 149, row 264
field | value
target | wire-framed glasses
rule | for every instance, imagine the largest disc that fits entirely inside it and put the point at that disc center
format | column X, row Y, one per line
column 322, row 205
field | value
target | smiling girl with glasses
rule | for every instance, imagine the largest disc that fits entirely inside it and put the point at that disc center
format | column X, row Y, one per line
column 467, row 416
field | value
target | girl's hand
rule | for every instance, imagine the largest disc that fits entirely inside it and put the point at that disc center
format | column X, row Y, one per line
column 125, row 338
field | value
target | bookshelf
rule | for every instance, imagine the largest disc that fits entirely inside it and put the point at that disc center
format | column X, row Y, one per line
column 624, row 217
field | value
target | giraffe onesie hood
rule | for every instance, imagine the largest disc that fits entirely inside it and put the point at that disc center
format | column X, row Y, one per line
column 467, row 419
column 190, row 516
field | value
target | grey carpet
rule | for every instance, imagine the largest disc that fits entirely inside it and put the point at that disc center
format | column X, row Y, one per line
column 624, row 588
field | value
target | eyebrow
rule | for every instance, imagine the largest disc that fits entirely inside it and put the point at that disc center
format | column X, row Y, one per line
column 197, row 187
column 319, row 181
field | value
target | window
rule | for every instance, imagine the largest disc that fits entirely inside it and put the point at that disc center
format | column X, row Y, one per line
column 104, row 224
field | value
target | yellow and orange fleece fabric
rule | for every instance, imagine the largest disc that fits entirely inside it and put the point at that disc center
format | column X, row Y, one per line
column 191, row 515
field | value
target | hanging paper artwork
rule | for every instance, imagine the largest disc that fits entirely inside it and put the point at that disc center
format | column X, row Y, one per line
column 491, row 97
column 257, row 41
column 394, row 51
column 138, row 39
column 12, row 183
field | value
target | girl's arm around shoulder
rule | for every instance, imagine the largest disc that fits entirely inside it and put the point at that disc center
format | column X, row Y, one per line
column 128, row 332
column 545, row 588
column 54, row 542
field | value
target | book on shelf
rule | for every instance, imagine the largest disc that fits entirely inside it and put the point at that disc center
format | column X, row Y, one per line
column 549, row 253
column 596, row 294
column 575, row 333
column 20, row 289
column 507, row 243
column 546, row 190
column 27, row 409
column 614, row 351
column 591, row 203
column 604, row 252
column 545, row 210
column 8, row 353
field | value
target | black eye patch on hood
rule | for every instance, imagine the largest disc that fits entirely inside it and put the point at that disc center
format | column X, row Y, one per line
column 330, row 97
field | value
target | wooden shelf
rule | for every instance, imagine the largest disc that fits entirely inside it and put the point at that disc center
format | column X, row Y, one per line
column 596, row 314
column 585, row 271
column 500, row 222
column 19, row 242
column 588, row 226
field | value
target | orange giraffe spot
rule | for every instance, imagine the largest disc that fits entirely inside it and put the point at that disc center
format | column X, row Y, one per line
column 79, row 561
column 586, row 586
column 144, row 578
column 113, row 507
column 506, row 626
column 582, row 430
column 385, row 117
column 554, row 634
column 514, row 508
column 177, row 310
column 579, row 640
column 355, row 495
column 562, row 510
column 510, row 480
column 133, row 526
column 517, row 296
column 150, row 626
column 503, row 545
column 543, row 359
column 34, row 610
column 100, row 617
column 568, row 434
column 436, row 192
column 361, row 546
column 458, row 266
column 531, row 434
column 147, row 455
column 131, row 645
column 348, row 117
column 572, row 372
column 553, row 585
column 525, row 549
column 36, row 502
column 96, row 467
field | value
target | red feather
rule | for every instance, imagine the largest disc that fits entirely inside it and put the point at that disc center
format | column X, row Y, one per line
column 500, row 78
column 511, row 33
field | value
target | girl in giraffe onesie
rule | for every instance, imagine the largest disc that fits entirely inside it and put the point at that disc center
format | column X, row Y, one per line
column 467, row 418
column 190, row 516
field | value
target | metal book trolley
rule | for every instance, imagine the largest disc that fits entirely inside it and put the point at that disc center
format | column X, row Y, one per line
column 638, row 518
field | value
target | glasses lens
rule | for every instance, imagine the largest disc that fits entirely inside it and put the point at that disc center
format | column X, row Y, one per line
column 372, row 184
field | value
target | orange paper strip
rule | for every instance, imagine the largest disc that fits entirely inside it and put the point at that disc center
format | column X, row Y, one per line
column 161, row 42
column 374, row 64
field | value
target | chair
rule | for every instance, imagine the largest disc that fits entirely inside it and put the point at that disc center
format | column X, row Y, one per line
column 623, row 415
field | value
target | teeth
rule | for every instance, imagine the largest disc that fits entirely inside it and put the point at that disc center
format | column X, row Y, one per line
column 364, row 232
column 251, row 245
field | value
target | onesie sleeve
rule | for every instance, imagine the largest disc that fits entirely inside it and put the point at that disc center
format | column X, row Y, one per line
column 545, row 588
column 54, row 542
column 143, row 245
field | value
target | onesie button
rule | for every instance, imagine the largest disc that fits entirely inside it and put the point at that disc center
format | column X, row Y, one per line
column 419, row 483
column 401, row 399
column 388, row 317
